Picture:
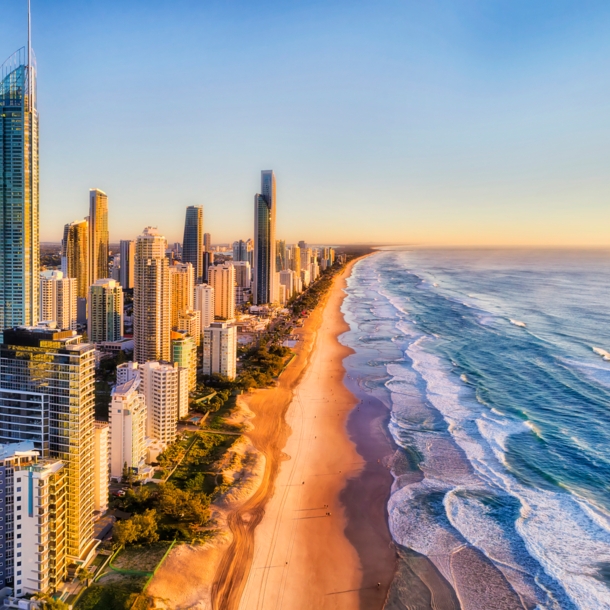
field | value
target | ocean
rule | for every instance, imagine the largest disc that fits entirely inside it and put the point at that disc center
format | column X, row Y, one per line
column 495, row 368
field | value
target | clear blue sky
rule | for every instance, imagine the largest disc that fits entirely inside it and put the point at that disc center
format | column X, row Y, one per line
column 426, row 121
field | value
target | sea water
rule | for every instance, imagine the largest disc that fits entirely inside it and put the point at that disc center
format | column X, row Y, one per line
column 494, row 365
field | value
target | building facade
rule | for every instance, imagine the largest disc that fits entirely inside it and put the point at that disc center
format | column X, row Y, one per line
column 47, row 395
column 264, row 241
column 184, row 354
column 220, row 350
column 127, row 252
column 98, row 235
column 151, row 298
column 19, row 197
column 193, row 245
column 161, row 387
column 41, row 521
column 101, row 457
column 222, row 280
column 182, row 290
column 58, row 300
column 105, row 322
column 75, row 255
column 127, row 428
column 204, row 303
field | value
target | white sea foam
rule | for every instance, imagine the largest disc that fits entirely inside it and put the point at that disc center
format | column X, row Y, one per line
column 602, row 352
column 552, row 524
column 518, row 323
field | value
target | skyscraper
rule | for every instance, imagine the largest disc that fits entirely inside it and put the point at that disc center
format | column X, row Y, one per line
column 47, row 395
column 75, row 255
column 127, row 251
column 151, row 298
column 182, row 290
column 105, row 321
column 19, row 201
column 281, row 261
column 264, row 240
column 98, row 235
column 193, row 243
column 222, row 279
column 204, row 303
column 58, row 299
column 207, row 242
column 161, row 387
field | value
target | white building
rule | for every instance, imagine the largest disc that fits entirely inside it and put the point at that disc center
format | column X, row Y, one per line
column 105, row 306
column 126, row 372
column 190, row 323
column 58, row 296
column 127, row 428
column 40, row 514
column 222, row 279
column 161, row 387
column 220, row 350
column 287, row 279
column 101, row 475
column 204, row 303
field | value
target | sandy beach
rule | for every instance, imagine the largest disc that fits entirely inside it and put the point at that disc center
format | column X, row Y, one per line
column 317, row 544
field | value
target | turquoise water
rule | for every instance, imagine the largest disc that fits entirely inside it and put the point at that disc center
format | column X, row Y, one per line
column 492, row 363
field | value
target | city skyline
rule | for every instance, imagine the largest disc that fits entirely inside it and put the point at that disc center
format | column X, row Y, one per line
column 459, row 132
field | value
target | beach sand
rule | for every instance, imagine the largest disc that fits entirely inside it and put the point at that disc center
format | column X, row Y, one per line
column 318, row 542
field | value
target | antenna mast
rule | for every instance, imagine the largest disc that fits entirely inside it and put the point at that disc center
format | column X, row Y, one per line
column 30, row 87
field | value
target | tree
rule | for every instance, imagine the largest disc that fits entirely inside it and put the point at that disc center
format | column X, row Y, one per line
column 146, row 526
column 124, row 532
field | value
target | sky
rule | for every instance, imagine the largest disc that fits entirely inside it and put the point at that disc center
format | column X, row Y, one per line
column 433, row 122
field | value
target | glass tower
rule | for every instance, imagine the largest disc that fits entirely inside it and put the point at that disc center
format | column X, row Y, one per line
column 264, row 241
column 75, row 255
column 19, row 246
column 193, row 244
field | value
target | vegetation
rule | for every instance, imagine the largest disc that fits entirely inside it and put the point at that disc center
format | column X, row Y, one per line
column 118, row 594
column 180, row 507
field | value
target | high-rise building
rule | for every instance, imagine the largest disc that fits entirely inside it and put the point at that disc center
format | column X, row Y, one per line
column 127, row 428
column 151, row 298
column 12, row 456
column 75, row 255
column 47, row 395
column 295, row 259
column 105, row 311
column 19, row 198
column 222, row 279
column 207, row 242
column 204, row 303
column 287, row 279
column 58, row 300
column 182, row 290
column 101, row 474
column 250, row 252
column 41, row 518
column 189, row 322
column 281, row 260
column 184, row 354
column 264, row 240
column 240, row 250
column 220, row 350
column 193, row 244
column 127, row 252
column 98, row 235
column 161, row 387
column 243, row 274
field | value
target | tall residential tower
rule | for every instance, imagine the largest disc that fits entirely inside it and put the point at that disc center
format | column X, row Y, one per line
column 264, row 241
column 193, row 245
column 98, row 235
column 19, row 241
